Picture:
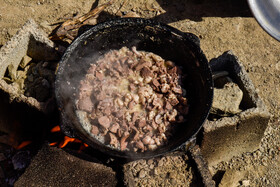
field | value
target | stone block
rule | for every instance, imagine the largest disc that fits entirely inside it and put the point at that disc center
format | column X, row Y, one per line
column 28, row 41
column 55, row 167
column 231, row 136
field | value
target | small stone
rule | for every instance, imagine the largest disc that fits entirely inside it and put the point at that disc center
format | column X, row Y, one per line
column 46, row 25
column 156, row 171
column 45, row 64
column 21, row 159
column 227, row 100
column 25, row 61
column 142, row 173
column 152, row 166
column 150, row 162
column 173, row 181
column 246, row 182
column 30, row 78
column 172, row 175
column 161, row 162
column 46, row 83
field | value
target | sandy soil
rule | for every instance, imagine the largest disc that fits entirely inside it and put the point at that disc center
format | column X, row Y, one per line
column 221, row 25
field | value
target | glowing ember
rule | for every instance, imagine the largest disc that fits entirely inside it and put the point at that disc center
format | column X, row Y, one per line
column 55, row 129
column 23, row 144
column 66, row 140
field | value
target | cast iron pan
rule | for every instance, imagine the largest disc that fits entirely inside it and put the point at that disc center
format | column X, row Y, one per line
column 148, row 35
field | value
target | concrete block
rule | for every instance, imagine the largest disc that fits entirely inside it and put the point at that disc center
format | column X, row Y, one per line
column 231, row 136
column 29, row 41
column 55, row 167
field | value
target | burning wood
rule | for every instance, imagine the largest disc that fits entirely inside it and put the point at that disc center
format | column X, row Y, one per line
column 69, row 29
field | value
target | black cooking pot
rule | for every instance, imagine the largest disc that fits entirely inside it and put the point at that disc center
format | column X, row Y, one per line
column 147, row 35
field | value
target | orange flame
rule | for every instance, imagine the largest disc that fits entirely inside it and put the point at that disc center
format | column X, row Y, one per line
column 66, row 140
column 23, row 144
column 55, row 129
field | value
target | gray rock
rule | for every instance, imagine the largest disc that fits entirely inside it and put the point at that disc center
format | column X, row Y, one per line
column 227, row 100
column 25, row 61
column 21, row 159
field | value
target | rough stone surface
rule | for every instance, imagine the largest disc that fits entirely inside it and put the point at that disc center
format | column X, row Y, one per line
column 227, row 99
column 261, row 167
column 54, row 167
column 30, row 41
column 221, row 25
column 231, row 136
column 161, row 171
column 232, row 178
column 202, row 167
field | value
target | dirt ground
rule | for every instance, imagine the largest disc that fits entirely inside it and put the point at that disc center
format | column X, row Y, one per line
column 221, row 25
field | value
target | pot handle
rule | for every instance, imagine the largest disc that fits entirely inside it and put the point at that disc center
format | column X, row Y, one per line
column 218, row 74
column 187, row 145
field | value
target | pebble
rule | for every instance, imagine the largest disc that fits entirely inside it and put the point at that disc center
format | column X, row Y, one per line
column 21, row 159
column 45, row 83
column 25, row 61
column 246, row 182
column 45, row 64
column 142, row 173
column 172, row 175
column 150, row 162
column 30, row 78
column 160, row 163
column 163, row 175
column 156, row 171
column 227, row 99
column 173, row 181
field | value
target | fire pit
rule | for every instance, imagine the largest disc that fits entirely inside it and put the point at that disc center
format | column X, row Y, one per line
column 15, row 161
